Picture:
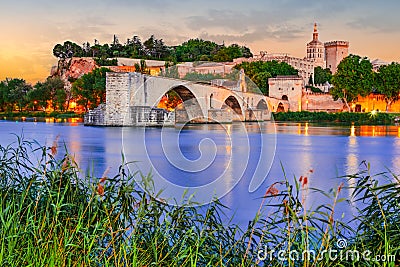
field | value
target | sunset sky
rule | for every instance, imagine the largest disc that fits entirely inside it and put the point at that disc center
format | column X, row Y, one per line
column 30, row 29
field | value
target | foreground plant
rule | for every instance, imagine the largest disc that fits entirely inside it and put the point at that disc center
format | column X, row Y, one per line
column 52, row 215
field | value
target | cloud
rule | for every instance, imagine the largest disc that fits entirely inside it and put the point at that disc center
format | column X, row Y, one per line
column 250, row 26
column 376, row 24
column 283, row 33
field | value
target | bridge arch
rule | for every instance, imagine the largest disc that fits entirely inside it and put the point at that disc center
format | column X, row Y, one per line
column 190, row 103
column 262, row 104
column 234, row 104
column 281, row 107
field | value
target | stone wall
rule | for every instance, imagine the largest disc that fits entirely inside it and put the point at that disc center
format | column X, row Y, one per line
column 219, row 116
column 335, row 51
column 321, row 102
column 118, row 92
column 288, row 88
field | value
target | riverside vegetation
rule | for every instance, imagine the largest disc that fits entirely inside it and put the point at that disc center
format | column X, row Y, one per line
column 377, row 118
column 52, row 214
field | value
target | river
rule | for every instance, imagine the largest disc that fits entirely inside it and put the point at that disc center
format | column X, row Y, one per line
column 232, row 152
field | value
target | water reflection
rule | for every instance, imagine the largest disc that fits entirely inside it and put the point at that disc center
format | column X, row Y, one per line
column 352, row 158
column 331, row 151
column 346, row 130
column 396, row 156
column 70, row 121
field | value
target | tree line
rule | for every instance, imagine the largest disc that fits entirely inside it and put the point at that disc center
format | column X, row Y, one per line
column 17, row 94
column 88, row 92
column 152, row 48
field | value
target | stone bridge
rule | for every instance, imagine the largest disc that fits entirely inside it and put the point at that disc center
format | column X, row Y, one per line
column 132, row 99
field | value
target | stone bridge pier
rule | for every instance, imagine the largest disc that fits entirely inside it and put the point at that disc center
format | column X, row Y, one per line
column 132, row 99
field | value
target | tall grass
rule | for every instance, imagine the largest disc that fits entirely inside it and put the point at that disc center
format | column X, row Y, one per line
column 51, row 216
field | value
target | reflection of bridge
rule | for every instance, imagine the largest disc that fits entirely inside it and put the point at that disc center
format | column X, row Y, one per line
column 132, row 99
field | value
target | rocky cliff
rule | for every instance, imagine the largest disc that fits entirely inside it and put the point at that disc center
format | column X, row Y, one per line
column 71, row 69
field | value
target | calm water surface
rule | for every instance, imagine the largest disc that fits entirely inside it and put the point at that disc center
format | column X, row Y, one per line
column 330, row 151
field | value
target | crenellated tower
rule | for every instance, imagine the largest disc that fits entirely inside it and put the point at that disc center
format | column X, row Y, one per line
column 335, row 51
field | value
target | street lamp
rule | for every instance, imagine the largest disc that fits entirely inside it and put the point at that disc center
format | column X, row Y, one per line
column 373, row 103
column 307, row 104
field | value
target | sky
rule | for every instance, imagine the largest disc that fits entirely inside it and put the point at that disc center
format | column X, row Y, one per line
column 30, row 29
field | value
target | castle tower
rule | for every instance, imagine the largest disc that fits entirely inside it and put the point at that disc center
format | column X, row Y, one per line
column 315, row 49
column 335, row 51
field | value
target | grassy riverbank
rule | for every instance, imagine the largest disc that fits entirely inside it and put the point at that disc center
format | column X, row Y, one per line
column 339, row 117
column 52, row 217
column 41, row 114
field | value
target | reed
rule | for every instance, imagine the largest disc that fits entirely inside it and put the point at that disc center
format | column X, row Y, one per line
column 53, row 215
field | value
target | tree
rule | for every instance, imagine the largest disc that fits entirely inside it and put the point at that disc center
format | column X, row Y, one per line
column 170, row 72
column 90, row 90
column 14, row 93
column 310, row 80
column 55, row 88
column 231, row 52
column 259, row 72
column 68, row 50
column 388, row 83
column 142, row 67
column 3, row 90
column 39, row 96
column 134, row 47
column 194, row 49
column 322, row 76
column 153, row 48
column 354, row 77
column 49, row 92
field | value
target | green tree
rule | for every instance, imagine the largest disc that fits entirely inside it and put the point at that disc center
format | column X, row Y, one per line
column 231, row 52
column 39, row 96
column 68, row 50
column 354, row 77
column 142, row 67
column 3, row 91
column 310, row 80
column 90, row 90
column 194, row 50
column 322, row 76
column 170, row 72
column 14, row 94
column 49, row 92
column 259, row 72
column 55, row 88
column 134, row 47
column 222, row 56
column 388, row 83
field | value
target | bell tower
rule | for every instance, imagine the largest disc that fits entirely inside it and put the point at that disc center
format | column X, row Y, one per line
column 315, row 49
